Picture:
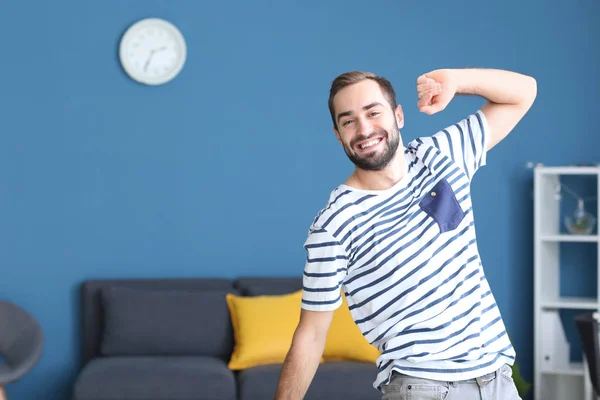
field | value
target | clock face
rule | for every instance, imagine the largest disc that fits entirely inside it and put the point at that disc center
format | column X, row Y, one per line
column 152, row 51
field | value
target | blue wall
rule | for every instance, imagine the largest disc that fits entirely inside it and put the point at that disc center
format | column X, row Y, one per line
column 220, row 172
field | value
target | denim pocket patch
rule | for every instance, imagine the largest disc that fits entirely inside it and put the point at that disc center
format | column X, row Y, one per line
column 426, row 392
column 440, row 204
column 403, row 387
column 506, row 371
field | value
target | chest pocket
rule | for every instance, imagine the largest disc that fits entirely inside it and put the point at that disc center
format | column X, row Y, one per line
column 440, row 204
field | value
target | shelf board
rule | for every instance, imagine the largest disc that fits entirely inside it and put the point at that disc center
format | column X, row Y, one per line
column 574, row 368
column 568, row 170
column 578, row 303
column 563, row 237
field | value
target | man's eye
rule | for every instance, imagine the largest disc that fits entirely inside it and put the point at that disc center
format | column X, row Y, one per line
column 347, row 122
column 374, row 113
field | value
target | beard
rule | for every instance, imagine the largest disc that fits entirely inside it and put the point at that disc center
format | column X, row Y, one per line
column 375, row 161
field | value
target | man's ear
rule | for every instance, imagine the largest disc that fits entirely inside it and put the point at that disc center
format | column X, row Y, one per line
column 399, row 116
column 337, row 135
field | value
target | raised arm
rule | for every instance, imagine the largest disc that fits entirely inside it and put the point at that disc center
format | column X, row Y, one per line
column 510, row 95
column 303, row 358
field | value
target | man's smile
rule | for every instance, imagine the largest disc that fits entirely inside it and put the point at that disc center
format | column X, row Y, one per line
column 369, row 145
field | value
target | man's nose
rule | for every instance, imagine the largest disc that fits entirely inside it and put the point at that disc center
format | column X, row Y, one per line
column 364, row 126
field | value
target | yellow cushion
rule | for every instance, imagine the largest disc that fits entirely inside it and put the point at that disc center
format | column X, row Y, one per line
column 344, row 339
column 263, row 328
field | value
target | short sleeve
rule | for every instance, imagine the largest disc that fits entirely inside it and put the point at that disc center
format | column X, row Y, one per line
column 324, row 272
column 465, row 142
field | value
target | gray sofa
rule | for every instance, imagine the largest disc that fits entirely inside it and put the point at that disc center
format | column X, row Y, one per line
column 171, row 339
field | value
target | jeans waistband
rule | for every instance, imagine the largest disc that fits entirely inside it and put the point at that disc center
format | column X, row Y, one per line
column 481, row 380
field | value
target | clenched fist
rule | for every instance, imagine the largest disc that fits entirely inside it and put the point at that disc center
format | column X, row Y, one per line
column 435, row 90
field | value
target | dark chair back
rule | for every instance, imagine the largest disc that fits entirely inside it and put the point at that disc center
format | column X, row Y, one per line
column 21, row 342
column 588, row 332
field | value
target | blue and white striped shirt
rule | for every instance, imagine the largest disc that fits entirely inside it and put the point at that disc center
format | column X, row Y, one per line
column 407, row 261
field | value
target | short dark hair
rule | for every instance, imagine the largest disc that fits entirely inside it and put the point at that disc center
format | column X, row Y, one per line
column 350, row 78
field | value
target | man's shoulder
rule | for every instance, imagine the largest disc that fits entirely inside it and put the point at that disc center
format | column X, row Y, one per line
column 419, row 147
column 340, row 203
column 462, row 144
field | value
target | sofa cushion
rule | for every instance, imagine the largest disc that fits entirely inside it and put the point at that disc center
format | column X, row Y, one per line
column 92, row 310
column 166, row 322
column 263, row 328
column 345, row 341
column 155, row 378
column 257, row 286
column 343, row 380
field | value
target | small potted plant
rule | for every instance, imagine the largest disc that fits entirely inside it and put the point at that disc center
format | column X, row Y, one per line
column 582, row 222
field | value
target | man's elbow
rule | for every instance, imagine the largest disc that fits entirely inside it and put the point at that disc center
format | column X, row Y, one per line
column 529, row 91
column 309, row 336
column 313, row 326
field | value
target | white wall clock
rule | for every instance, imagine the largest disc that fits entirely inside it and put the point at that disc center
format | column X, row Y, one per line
column 152, row 51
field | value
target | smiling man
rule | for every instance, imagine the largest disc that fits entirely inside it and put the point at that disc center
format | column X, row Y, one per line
column 398, row 238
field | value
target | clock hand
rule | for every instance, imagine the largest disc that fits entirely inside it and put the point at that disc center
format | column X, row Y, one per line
column 148, row 62
column 151, row 55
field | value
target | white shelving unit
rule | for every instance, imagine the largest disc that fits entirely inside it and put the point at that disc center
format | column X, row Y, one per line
column 555, row 376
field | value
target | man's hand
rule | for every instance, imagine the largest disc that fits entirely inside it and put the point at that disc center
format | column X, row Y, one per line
column 510, row 95
column 435, row 90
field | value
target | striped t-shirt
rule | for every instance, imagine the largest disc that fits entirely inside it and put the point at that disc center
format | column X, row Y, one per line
column 407, row 261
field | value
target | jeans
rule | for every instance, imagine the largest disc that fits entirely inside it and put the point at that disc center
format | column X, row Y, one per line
column 498, row 385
